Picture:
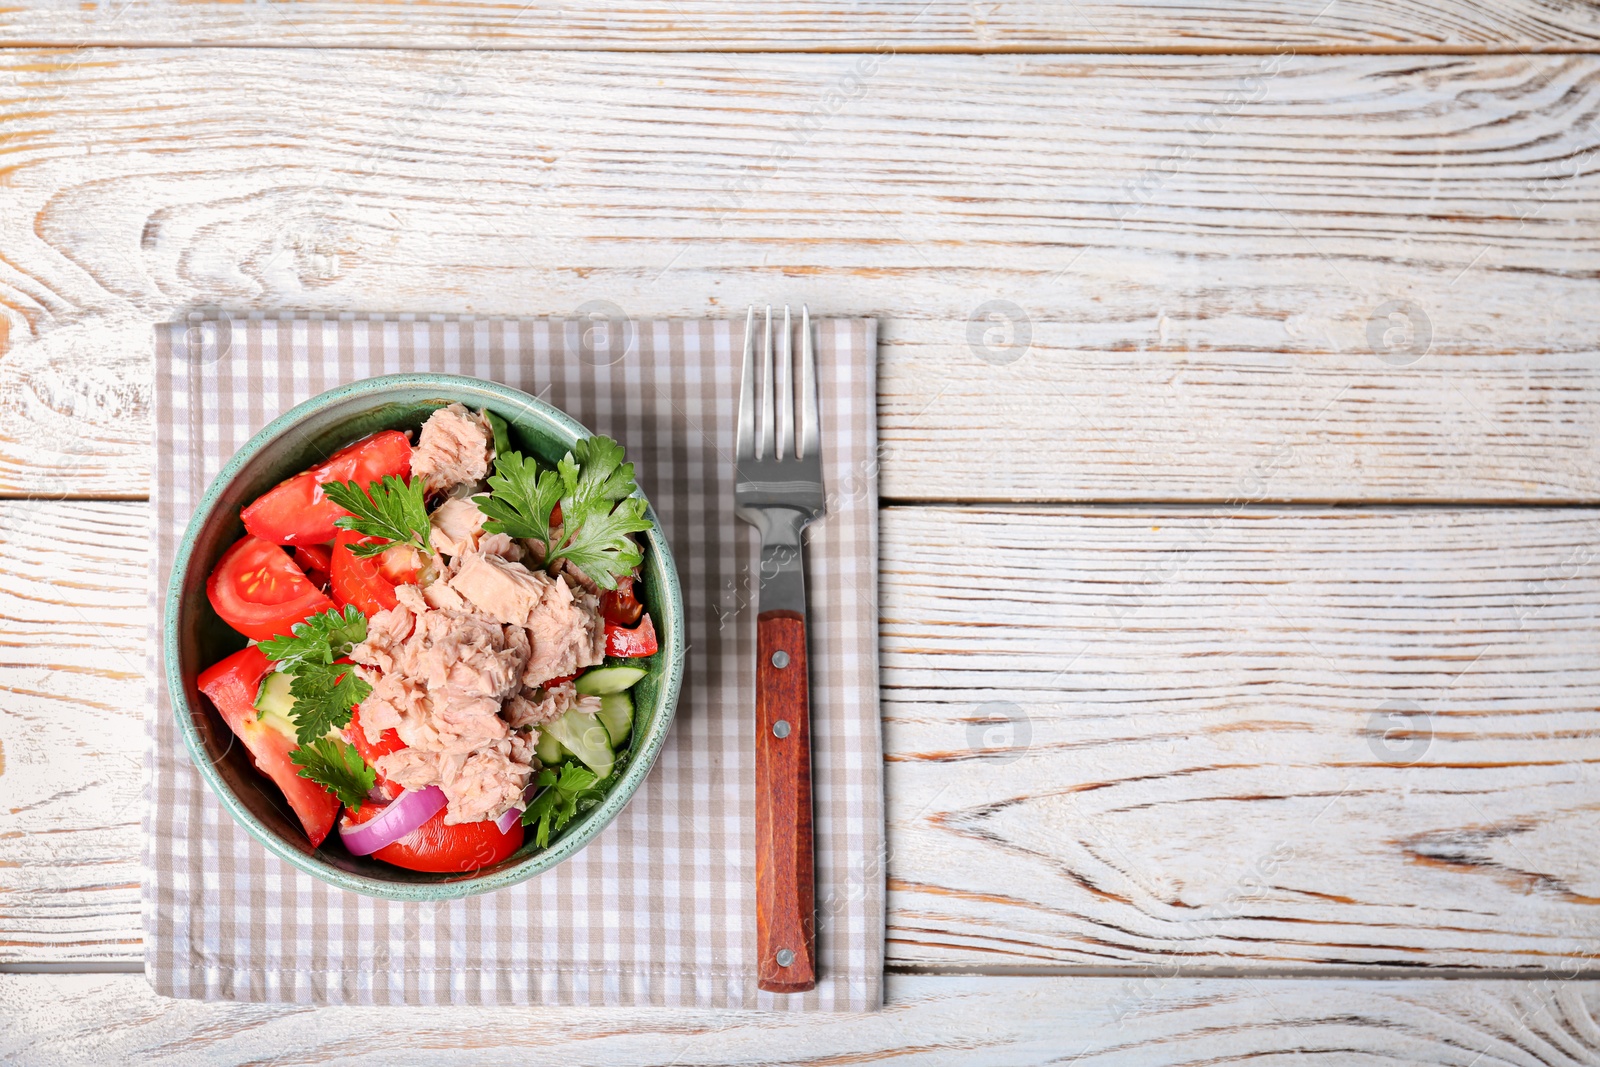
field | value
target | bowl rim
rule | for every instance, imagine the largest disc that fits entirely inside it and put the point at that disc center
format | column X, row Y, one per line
column 594, row 821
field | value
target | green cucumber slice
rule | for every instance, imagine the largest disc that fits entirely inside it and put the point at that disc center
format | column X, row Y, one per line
column 548, row 749
column 276, row 704
column 603, row 680
column 616, row 715
column 585, row 738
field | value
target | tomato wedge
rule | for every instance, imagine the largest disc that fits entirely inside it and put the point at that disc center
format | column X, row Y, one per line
column 316, row 561
column 294, row 512
column 259, row 591
column 389, row 741
column 369, row 583
column 442, row 849
column 639, row 641
column 232, row 685
column 619, row 606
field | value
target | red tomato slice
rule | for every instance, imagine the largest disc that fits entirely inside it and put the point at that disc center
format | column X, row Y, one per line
column 258, row 590
column 316, row 561
column 442, row 849
column 232, row 685
column 294, row 512
column 639, row 641
column 619, row 606
column 369, row 583
column 389, row 741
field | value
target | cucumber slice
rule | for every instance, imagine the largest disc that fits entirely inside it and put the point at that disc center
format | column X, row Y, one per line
column 548, row 749
column 616, row 715
column 603, row 680
column 585, row 738
column 276, row 703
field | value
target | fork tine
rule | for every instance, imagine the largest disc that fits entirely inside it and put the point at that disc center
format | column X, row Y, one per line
column 764, row 441
column 745, row 440
column 809, row 438
column 786, row 408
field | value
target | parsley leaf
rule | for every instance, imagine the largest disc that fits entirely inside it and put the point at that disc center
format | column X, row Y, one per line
column 338, row 768
column 391, row 509
column 602, row 475
column 323, row 695
column 324, row 691
column 556, row 806
column 601, row 547
column 322, row 638
column 520, row 498
column 598, row 511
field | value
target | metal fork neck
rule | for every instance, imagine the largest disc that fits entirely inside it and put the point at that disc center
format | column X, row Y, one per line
column 783, row 580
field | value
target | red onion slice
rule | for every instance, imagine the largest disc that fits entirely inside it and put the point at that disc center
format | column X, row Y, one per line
column 513, row 813
column 404, row 814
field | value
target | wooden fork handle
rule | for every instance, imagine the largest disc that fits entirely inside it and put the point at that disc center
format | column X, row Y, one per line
column 785, row 879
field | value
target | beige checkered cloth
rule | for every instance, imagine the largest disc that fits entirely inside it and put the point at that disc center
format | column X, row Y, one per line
column 660, row 908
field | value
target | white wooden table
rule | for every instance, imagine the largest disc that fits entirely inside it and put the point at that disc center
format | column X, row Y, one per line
column 1239, row 401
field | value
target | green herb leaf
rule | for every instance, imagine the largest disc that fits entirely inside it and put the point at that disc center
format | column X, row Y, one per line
column 598, row 511
column 520, row 498
column 558, row 803
column 324, row 691
column 392, row 509
column 323, row 694
column 322, row 638
column 600, row 546
column 603, row 476
column 338, row 768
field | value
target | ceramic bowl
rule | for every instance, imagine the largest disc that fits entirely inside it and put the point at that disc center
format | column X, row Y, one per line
column 194, row 637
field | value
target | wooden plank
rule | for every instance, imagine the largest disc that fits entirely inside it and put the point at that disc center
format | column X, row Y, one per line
column 1132, row 737
column 1214, row 260
column 1065, row 424
column 1242, row 737
column 55, row 1019
column 764, row 25
column 72, row 698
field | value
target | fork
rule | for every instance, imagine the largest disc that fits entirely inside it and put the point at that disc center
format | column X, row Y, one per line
column 778, row 490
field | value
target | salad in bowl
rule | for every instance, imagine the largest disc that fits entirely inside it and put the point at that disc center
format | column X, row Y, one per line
column 445, row 638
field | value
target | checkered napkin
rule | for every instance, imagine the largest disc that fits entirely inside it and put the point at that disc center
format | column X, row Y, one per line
column 660, row 908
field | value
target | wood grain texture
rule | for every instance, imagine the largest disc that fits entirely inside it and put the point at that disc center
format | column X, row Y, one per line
column 786, row 898
column 62, row 1021
column 1150, row 737
column 1242, row 737
column 1099, row 278
column 769, row 25
column 72, row 698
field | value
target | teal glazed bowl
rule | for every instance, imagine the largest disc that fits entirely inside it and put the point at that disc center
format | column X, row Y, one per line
column 194, row 637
